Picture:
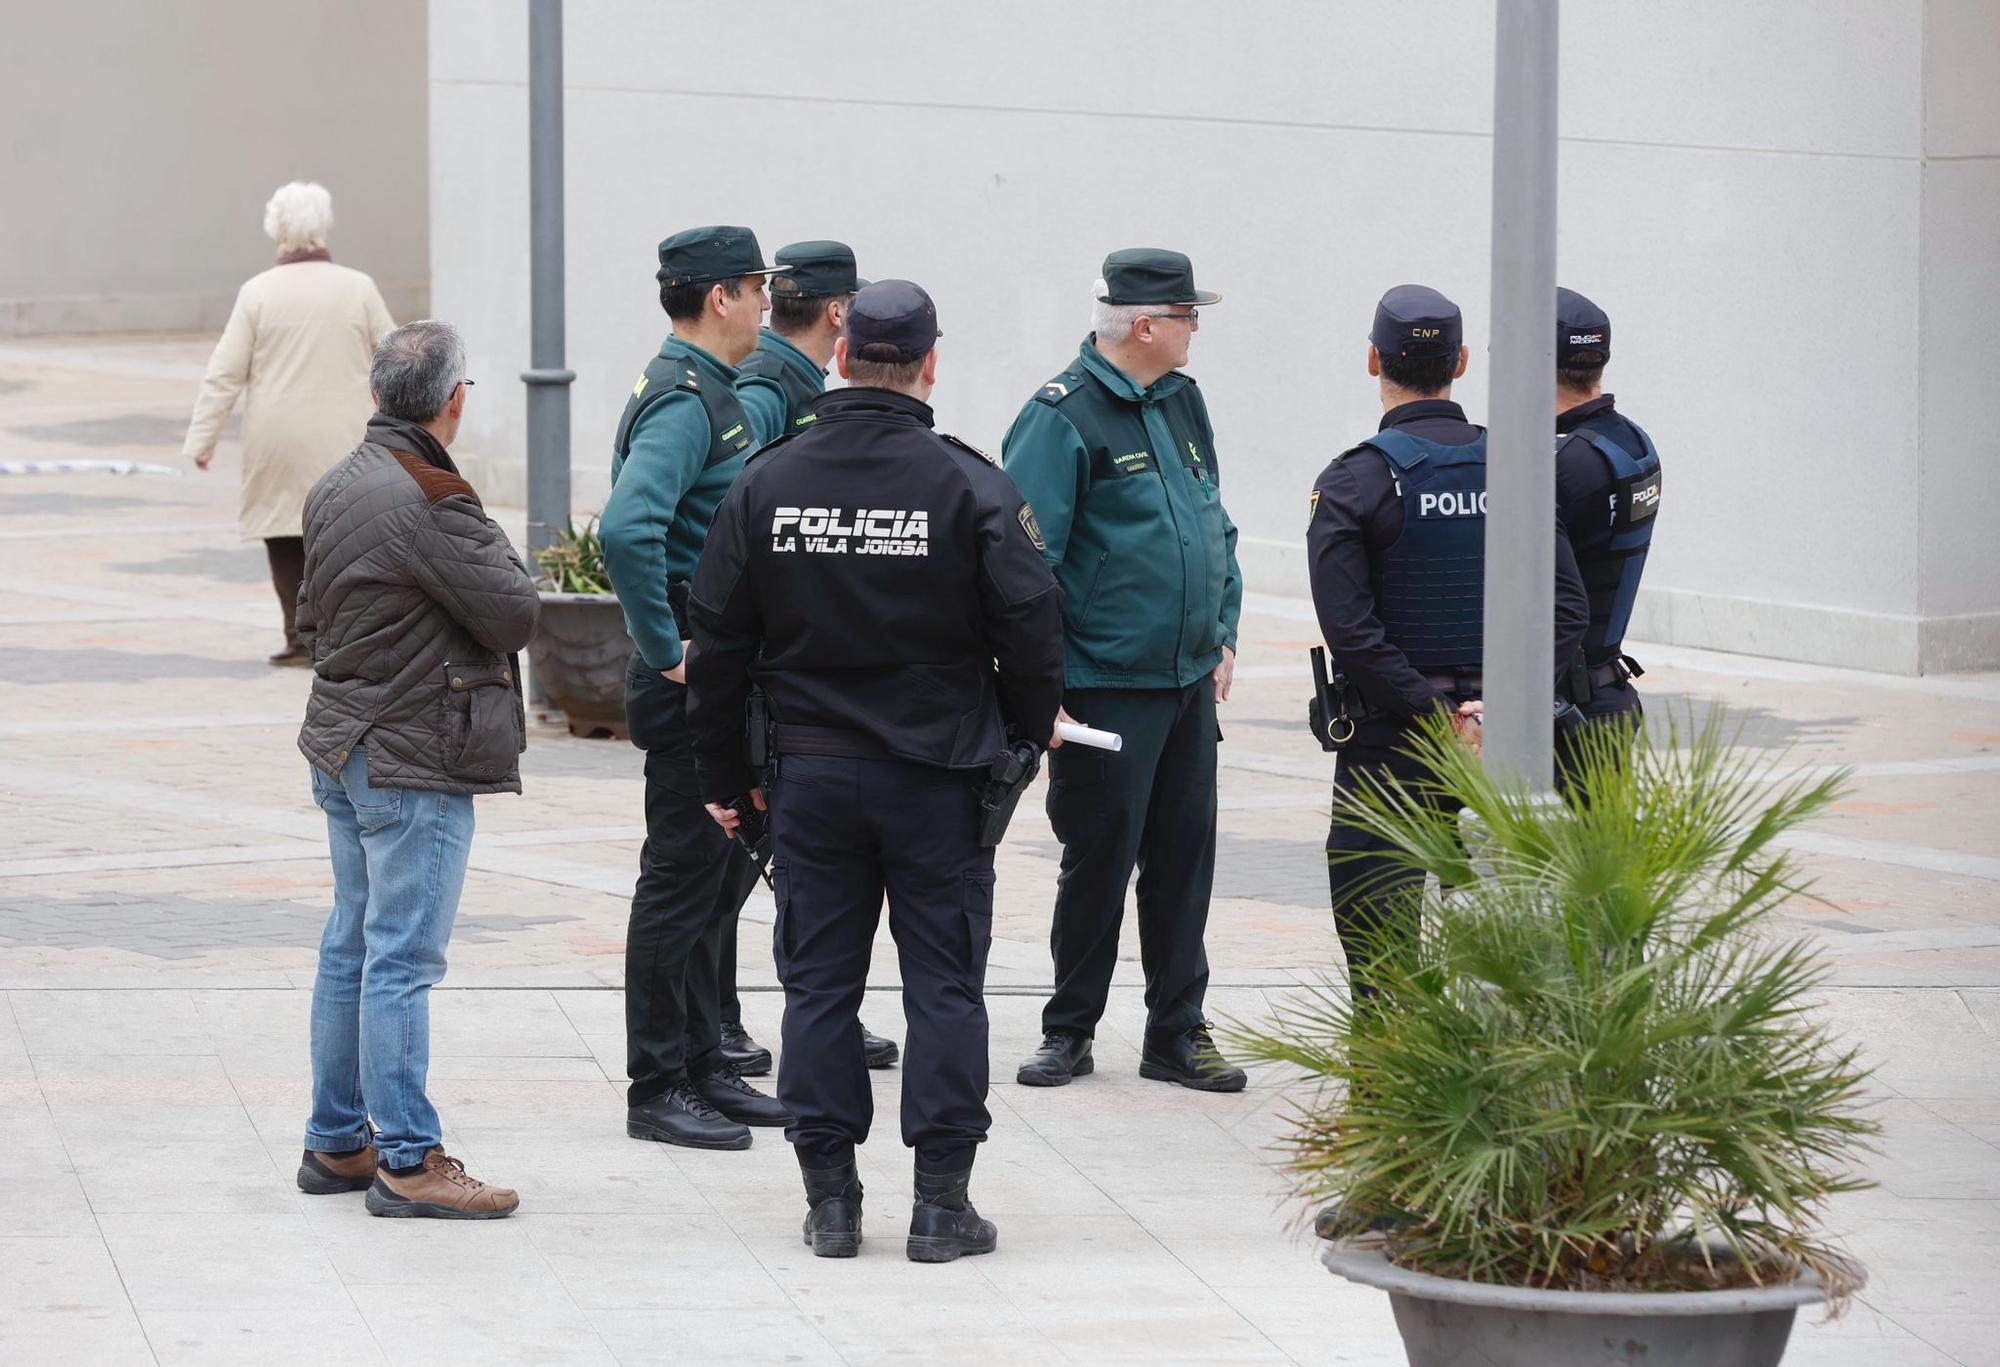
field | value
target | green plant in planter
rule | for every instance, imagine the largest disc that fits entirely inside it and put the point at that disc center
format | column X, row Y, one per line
column 1593, row 1061
column 574, row 563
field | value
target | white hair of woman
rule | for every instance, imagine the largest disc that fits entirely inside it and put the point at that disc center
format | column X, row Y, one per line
column 1113, row 323
column 299, row 216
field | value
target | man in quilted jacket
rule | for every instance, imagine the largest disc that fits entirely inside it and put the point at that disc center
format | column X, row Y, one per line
column 413, row 605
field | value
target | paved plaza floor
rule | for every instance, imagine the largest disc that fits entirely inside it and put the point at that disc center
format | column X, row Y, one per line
column 163, row 881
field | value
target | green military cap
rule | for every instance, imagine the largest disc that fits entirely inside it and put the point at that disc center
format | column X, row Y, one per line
column 817, row 270
column 698, row 256
column 1151, row 275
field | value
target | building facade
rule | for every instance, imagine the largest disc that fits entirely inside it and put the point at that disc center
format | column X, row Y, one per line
column 1789, row 212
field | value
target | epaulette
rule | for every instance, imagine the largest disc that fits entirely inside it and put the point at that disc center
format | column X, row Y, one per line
column 1061, row 387
column 967, row 447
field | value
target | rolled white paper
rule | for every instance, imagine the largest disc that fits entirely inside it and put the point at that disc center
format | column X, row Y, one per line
column 1073, row 734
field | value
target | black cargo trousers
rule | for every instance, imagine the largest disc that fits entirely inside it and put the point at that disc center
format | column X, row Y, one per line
column 845, row 832
column 693, row 880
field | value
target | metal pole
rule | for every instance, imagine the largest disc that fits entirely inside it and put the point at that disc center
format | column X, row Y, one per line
column 548, row 382
column 1521, row 474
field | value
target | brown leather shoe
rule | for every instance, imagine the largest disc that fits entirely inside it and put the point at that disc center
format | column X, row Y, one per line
column 294, row 656
column 324, row 1174
column 440, row 1190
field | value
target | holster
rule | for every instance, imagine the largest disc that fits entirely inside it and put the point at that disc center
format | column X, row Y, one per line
column 758, row 728
column 1337, row 707
column 1012, row 771
column 1585, row 679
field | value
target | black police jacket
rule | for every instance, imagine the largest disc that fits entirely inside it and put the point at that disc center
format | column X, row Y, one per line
column 878, row 581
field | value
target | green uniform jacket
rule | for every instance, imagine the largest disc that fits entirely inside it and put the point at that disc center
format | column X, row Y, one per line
column 1126, row 490
column 775, row 383
column 663, row 500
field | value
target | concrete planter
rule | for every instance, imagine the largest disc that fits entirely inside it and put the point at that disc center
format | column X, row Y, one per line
column 1450, row 1323
column 580, row 654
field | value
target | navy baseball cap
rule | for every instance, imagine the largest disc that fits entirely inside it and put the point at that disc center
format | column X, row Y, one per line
column 891, row 321
column 1583, row 333
column 700, row 256
column 1415, row 322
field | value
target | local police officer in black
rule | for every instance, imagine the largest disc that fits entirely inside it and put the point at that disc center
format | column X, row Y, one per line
column 883, row 585
column 1396, row 547
column 1608, row 494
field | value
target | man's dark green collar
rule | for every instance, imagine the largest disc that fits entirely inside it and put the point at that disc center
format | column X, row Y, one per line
column 680, row 348
column 1121, row 384
column 790, row 350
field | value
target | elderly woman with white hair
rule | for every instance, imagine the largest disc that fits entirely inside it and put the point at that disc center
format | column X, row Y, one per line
column 296, row 349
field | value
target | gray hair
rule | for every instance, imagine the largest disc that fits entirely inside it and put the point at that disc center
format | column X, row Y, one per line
column 299, row 216
column 416, row 368
column 1113, row 323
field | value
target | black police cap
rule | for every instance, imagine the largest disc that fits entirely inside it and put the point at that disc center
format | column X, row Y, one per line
column 1583, row 333
column 891, row 321
column 1414, row 322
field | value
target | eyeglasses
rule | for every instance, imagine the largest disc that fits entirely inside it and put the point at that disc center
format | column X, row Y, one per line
column 467, row 383
column 1192, row 316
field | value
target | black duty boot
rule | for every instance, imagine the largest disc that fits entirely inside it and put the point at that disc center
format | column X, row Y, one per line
column 943, row 1224
column 683, row 1117
column 726, row 1090
column 1061, row 1057
column 880, row 1052
column 746, row 1055
column 1189, row 1059
column 833, row 1209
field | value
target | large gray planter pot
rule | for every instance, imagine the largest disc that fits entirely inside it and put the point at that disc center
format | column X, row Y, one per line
column 580, row 654
column 1450, row 1323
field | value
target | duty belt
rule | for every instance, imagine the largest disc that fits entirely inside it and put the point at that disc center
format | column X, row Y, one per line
column 1461, row 683
column 1586, row 679
column 832, row 741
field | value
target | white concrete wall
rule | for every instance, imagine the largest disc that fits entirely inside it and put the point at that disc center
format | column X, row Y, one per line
column 142, row 138
column 1752, row 190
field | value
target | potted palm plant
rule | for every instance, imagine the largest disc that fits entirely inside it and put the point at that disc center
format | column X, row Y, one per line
column 1592, row 1118
column 581, row 650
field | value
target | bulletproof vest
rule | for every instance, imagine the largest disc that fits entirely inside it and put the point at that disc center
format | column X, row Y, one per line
column 1430, row 586
column 1611, row 573
column 798, row 391
column 728, row 427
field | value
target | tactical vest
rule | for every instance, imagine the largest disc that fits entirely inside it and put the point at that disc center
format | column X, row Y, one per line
column 1115, row 430
column 729, row 432
column 767, row 365
column 1611, row 574
column 1430, row 586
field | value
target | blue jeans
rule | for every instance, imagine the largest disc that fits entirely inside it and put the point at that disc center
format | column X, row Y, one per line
column 398, row 867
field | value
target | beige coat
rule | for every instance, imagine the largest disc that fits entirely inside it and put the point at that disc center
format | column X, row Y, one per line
column 297, row 349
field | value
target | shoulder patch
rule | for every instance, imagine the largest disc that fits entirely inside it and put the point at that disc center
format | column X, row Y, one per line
column 967, row 447
column 1032, row 527
column 1312, row 513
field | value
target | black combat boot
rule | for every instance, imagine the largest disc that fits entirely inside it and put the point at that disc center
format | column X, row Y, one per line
column 833, row 1209
column 879, row 1052
column 1189, row 1059
column 1060, row 1057
column 943, row 1224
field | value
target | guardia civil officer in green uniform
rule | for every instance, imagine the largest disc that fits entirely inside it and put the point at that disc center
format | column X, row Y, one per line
column 1117, row 458
column 809, row 305
column 680, row 443
column 777, row 384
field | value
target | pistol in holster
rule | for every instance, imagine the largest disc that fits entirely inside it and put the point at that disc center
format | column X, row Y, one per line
column 1336, row 707
column 754, row 827
column 1013, row 769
